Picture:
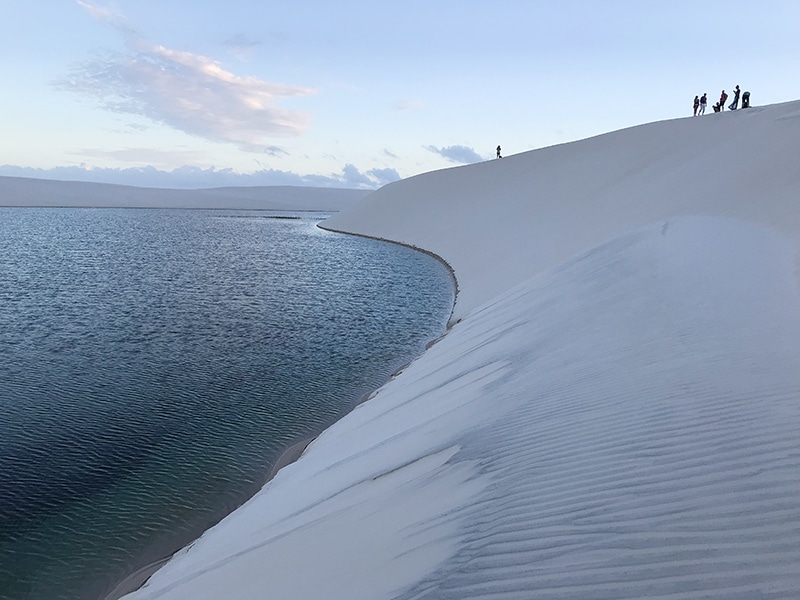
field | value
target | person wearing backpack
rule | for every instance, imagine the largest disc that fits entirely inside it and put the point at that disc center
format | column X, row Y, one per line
column 722, row 99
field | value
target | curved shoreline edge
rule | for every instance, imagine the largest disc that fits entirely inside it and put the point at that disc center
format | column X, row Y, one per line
column 447, row 265
column 139, row 578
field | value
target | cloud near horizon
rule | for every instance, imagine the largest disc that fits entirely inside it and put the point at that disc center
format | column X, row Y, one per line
column 188, row 92
column 191, row 177
column 458, row 154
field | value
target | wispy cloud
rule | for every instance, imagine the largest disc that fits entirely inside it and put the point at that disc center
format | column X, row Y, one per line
column 189, row 92
column 241, row 46
column 352, row 177
column 463, row 155
column 384, row 176
column 108, row 15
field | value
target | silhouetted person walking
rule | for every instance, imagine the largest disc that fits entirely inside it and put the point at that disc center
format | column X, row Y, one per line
column 498, row 152
column 696, row 104
column 703, row 102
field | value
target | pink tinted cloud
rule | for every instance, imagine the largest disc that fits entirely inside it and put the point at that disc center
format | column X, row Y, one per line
column 186, row 91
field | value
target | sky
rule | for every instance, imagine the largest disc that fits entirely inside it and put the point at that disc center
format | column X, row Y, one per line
column 358, row 93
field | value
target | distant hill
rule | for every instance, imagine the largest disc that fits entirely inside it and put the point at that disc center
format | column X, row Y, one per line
column 22, row 191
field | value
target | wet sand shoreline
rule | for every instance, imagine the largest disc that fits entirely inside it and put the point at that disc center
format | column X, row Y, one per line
column 138, row 578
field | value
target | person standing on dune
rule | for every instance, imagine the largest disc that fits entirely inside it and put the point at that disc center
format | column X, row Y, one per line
column 735, row 104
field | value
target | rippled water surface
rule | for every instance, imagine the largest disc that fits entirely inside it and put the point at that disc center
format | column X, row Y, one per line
column 155, row 363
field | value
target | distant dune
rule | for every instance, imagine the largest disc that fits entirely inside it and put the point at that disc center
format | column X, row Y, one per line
column 22, row 191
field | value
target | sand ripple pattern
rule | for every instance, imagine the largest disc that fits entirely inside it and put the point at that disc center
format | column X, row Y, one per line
column 646, row 443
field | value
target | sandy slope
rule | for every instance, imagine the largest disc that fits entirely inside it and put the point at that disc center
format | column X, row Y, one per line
column 502, row 221
column 615, row 415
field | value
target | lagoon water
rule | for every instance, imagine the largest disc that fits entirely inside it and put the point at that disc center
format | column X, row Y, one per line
column 155, row 363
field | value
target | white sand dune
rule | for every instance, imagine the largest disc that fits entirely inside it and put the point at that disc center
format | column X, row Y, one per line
column 24, row 191
column 500, row 222
column 614, row 415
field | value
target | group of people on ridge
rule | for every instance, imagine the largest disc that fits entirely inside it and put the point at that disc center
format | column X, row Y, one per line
column 701, row 101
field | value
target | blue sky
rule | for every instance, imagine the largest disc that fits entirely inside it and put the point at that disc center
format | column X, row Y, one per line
column 352, row 93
